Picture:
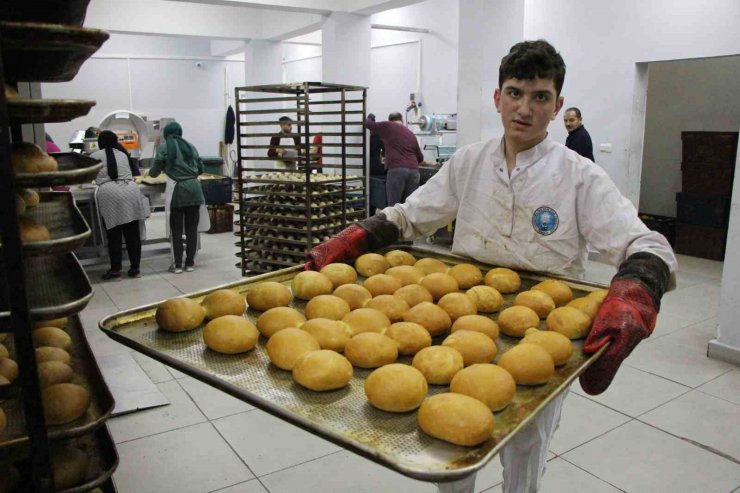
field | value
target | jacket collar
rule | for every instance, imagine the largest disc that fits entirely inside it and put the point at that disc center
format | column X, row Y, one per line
column 526, row 158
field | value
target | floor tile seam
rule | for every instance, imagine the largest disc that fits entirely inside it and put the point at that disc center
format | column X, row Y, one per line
column 283, row 469
column 698, row 389
column 230, row 415
column 664, row 377
column 561, row 454
column 491, row 488
column 241, row 459
column 118, row 307
column 161, row 432
column 593, row 475
column 237, row 484
column 652, row 339
column 607, row 407
column 687, row 391
column 191, row 399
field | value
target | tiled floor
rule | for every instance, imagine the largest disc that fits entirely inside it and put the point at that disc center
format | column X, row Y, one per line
column 669, row 422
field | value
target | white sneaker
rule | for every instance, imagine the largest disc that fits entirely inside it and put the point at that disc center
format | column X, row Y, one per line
column 178, row 270
column 189, row 269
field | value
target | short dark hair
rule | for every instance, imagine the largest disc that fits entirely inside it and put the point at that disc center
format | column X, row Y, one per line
column 530, row 59
column 285, row 119
column 574, row 110
column 395, row 117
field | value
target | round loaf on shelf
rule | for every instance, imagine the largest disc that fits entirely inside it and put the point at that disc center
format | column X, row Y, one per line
column 438, row 364
column 371, row 264
column 431, row 265
column 309, row 284
column 529, row 364
column 223, row 302
column 366, row 320
column 474, row 347
column 466, row 275
column 32, row 231
column 27, row 157
column 477, row 323
column 490, row 384
column 230, row 334
column 456, row 418
column 396, row 388
column 354, row 294
column 339, row 274
column 64, row 402
column 8, row 369
column 394, row 307
column 410, row 337
column 439, row 284
column 51, row 336
column 558, row 291
column 50, row 353
column 327, row 306
column 323, row 370
column 289, row 345
column 371, row 350
column 413, row 294
column 431, row 317
column 69, row 466
column 177, row 315
column 503, row 280
column 279, row 318
column 330, row 334
column 399, row 257
column 266, row 295
column 53, row 372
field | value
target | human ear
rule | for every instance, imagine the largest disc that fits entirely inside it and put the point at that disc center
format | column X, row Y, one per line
column 497, row 99
column 558, row 107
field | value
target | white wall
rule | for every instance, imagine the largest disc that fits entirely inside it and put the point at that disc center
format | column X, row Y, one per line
column 673, row 107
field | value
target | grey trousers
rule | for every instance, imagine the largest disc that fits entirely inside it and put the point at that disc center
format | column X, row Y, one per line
column 400, row 183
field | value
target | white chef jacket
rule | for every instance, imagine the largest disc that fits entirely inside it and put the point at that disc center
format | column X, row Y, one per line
column 538, row 219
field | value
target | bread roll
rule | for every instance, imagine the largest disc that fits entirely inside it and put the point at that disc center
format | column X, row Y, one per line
column 515, row 320
column 438, row 364
column 557, row 345
column 64, row 402
column 32, row 231
column 413, row 294
column 51, row 336
column 456, row 418
column 588, row 305
column 69, row 466
column 4, row 381
column 371, row 264
column 354, row 294
column 366, row 320
column 466, row 275
column 230, row 334
column 10, row 478
column 439, row 284
column 49, row 353
column 394, row 307
column 8, row 369
column 477, row 323
column 396, row 388
column 327, row 306
column 503, row 280
column 53, row 372
column 558, row 291
column 486, row 298
column 20, row 204
column 473, row 346
column 277, row 319
column 539, row 301
column 399, row 257
column 490, row 384
column 407, row 274
column 431, row 317
column 431, row 265
column 288, row 346
column 410, row 337
column 529, row 364
column 266, row 295
column 598, row 294
column 27, row 157
column 60, row 323
column 323, row 370
column 330, row 334
column 457, row 305
column 4, row 352
column 381, row 284
column 569, row 321
column 309, row 284
column 224, row 302
column 371, row 350
column 178, row 315
column 30, row 197
column 339, row 274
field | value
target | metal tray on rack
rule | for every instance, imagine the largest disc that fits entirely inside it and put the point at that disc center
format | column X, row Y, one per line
column 34, row 52
column 343, row 416
column 24, row 110
column 73, row 168
column 57, row 286
column 87, row 374
column 58, row 212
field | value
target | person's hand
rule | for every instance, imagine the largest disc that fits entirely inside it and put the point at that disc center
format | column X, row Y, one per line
column 349, row 244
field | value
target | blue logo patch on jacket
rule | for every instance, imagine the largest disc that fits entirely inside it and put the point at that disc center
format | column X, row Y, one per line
column 545, row 220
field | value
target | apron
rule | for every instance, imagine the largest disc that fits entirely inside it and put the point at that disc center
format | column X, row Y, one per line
column 204, row 222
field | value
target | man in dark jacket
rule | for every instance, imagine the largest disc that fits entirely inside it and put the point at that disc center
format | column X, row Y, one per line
column 578, row 139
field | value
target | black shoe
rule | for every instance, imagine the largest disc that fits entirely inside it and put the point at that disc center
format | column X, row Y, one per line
column 111, row 274
column 134, row 273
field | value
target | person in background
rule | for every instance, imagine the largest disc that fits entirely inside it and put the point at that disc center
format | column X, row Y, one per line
column 51, row 145
column 179, row 159
column 377, row 171
column 120, row 204
column 402, row 157
column 578, row 139
column 276, row 151
column 317, row 150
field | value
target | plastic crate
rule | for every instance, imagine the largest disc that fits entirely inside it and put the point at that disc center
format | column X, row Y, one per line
column 213, row 165
column 718, row 148
column 710, row 211
column 217, row 192
column 710, row 179
column 664, row 225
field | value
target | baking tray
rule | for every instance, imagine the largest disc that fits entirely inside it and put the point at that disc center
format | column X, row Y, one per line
column 52, row 11
column 344, row 416
column 35, row 52
column 14, row 441
column 59, row 213
column 56, row 286
column 73, row 168
column 24, row 110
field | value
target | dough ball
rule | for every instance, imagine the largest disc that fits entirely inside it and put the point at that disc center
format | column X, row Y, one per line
column 477, row 323
column 223, row 302
column 371, row 264
column 569, row 321
column 10, row 478
column 4, row 352
column 339, row 274
column 413, row 294
column 366, row 320
column 51, row 336
column 410, row 337
column 396, row 388
column 466, row 275
column 8, row 369
column 407, row 274
column 439, row 284
column 327, row 306
column 431, row 265
column 53, row 372
column 438, row 364
column 382, row 284
column 27, row 157
column 49, row 353
column 490, row 384
column 515, row 320
column 486, row 298
column 557, row 345
column 598, row 294
column 69, row 466
column 266, row 295
column 558, row 291
column 431, row 317
column 30, row 197
column 371, row 350
column 32, row 231
column 60, row 323
column 331, row 334
column 473, row 346
column 288, row 346
column 503, row 280
column 399, row 257
column 64, row 402
column 457, row 305
column 230, row 334
column 178, row 315
column 393, row 306
column 456, row 418
column 277, row 319
column 323, row 370
column 588, row 305
column 539, row 301
column 354, row 294
column 529, row 364
column 309, row 284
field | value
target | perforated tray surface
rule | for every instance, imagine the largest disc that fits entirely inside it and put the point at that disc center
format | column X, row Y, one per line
column 58, row 212
column 343, row 416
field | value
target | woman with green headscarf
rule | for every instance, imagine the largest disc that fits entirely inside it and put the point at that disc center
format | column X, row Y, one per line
column 179, row 159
